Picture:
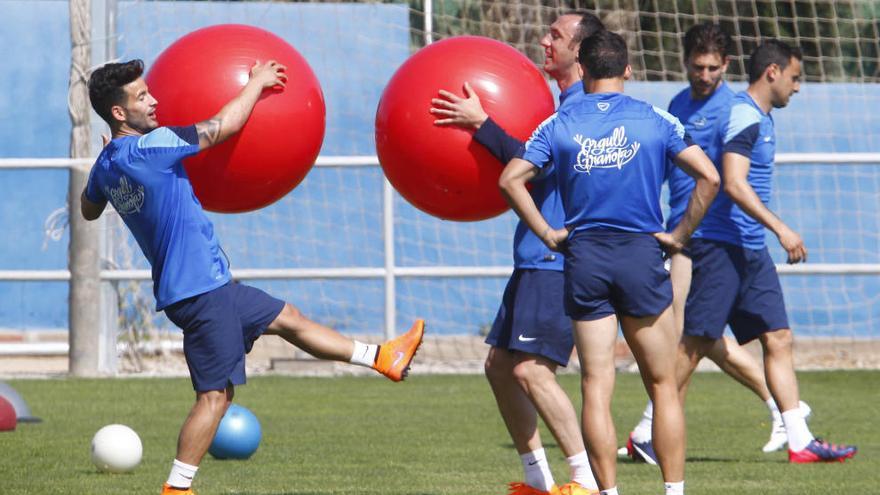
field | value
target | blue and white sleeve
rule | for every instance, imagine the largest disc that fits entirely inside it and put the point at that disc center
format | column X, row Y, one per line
column 742, row 130
column 538, row 150
column 676, row 138
column 165, row 146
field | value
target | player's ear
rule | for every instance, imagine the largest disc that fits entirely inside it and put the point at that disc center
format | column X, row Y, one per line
column 772, row 73
column 724, row 63
column 627, row 73
column 118, row 113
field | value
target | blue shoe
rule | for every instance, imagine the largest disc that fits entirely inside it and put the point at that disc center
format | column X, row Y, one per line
column 820, row 451
column 641, row 451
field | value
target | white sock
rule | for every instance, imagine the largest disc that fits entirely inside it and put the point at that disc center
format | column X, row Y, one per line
column 676, row 488
column 610, row 491
column 364, row 354
column 796, row 428
column 182, row 474
column 537, row 470
column 642, row 431
column 581, row 473
column 775, row 415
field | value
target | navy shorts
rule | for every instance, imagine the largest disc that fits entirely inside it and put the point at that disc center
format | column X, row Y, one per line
column 736, row 286
column 532, row 318
column 612, row 272
column 219, row 328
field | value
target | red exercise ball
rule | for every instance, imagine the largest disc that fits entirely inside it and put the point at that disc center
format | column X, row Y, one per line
column 8, row 419
column 199, row 73
column 442, row 170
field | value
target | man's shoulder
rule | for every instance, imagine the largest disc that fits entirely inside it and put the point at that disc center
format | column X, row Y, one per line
column 169, row 137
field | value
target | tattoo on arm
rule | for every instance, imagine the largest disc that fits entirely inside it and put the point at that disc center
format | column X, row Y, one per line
column 209, row 131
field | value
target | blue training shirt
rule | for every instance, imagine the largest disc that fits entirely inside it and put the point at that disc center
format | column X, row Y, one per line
column 748, row 132
column 144, row 179
column 704, row 121
column 528, row 250
column 610, row 153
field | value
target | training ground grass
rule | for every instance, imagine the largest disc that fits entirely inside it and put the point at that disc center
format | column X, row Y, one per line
column 430, row 435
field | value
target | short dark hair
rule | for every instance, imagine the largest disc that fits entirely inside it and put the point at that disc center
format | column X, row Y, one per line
column 706, row 38
column 771, row 52
column 604, row 55
column 106, row 82
column 587, row 26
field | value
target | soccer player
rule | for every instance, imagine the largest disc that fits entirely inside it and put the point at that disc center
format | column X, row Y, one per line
column 609, row 152
column 702, row 107
column 141, row 174
column 734, row 279
column 531, row 335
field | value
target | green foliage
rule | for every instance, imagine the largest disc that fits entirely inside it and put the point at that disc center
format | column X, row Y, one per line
column 430, row 435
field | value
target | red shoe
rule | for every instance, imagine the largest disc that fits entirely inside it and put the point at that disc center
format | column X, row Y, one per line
column 517, row 488
column 821, row 451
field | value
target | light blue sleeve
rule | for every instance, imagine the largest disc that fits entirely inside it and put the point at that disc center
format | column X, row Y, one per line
column 676, row 137
column 538, row 150
column 742, row 116
column 165, row 146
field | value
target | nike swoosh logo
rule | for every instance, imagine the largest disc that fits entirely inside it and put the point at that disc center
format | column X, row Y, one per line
column 533, row 463
column 526, row 339
column 398, row 356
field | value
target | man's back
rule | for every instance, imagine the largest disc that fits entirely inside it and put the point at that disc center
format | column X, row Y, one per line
column 610, row 153
column 144, row 179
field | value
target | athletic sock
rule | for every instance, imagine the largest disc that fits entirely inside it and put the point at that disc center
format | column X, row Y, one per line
column 610, row 491
column 581, row 473
column 642, row 431
column 676, row 488
column 799, row 435
column 364, row 354
column 537, row 470
column 775, row 415
column 182, row 474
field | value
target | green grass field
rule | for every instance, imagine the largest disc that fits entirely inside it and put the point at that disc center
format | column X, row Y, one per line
column 430, row 435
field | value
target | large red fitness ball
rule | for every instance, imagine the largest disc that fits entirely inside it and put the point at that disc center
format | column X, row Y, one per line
column 8, row 418
column 442, row 170
column 199, row 73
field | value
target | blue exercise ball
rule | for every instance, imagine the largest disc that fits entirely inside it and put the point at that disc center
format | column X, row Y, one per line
column 238, row 435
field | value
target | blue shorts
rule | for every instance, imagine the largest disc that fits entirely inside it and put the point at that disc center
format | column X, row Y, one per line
column 219, row 328
column 612, row 272
column 532, row 318
column 736, row 286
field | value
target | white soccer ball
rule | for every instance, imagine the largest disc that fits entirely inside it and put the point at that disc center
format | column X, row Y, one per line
column 116, row 449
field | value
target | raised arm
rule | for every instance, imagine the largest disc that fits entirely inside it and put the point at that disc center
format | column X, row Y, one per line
column 736, row 185
column 696, row 164
column 468, row 113
column 513, row 186
column 232, row 117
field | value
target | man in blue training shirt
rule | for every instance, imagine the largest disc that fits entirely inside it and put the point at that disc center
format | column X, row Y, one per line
column 531, row 335
column 703, row 108
column 609, row 152
column 734, row 279
column 140, row 172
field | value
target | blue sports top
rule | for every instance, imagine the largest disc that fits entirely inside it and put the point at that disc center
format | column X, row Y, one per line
column 703, row 120
column 610, row 153
column 528, row 250
column 748, row 132
column 143, row 177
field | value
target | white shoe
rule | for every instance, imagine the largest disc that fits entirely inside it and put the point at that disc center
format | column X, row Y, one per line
column 778, row 436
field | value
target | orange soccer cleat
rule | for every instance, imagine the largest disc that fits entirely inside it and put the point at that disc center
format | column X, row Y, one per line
column 395, row 356
column 517, row 488
column 572, row 488
column 169, row 490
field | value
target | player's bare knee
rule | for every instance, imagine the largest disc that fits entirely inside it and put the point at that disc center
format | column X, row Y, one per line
column 777, row 342
column 215, row 401
column 497, row 365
